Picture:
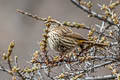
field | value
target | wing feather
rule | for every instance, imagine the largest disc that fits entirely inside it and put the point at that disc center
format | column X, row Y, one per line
column 75, row 36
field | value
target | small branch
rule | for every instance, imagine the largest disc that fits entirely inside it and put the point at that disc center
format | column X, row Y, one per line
column 106, row 77
column 100, row 65
column 41, row 76
column 4, row 70
column 38, row 18
column 20, row 75
column 9, row 63
column 91, row 68
column 33, row 16
column 96, row 15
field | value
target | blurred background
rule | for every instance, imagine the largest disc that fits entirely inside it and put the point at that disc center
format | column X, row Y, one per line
column 27, row 32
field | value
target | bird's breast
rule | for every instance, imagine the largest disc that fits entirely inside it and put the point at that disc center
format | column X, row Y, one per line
column 53, row 40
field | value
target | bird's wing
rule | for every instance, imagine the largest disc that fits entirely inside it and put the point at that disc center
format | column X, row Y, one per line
column 75, row 36
column 67, row 32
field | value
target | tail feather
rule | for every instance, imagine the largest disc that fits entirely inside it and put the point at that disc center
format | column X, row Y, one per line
column 96, row 44
column 82, row 42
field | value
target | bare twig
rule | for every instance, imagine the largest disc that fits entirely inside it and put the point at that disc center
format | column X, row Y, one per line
column 96, row 15
column 106, row 77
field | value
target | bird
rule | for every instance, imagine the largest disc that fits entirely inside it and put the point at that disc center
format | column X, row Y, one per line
column 63, row 40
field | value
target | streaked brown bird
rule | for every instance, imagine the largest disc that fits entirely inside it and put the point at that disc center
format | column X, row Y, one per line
column 62, row 39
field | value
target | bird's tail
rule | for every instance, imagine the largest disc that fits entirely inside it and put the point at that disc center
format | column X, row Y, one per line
column 96, row 44
column 80, row 42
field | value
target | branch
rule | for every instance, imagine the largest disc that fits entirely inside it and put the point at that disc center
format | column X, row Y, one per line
column 96, row 15
column 106, row 77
